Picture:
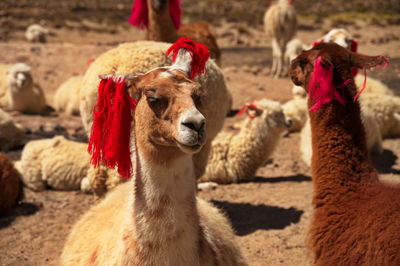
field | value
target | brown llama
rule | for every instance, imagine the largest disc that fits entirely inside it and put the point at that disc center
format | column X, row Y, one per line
column 155, row 218
column 356, row 219
column 163, row 23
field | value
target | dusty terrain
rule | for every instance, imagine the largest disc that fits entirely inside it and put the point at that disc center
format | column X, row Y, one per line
column 270, row 213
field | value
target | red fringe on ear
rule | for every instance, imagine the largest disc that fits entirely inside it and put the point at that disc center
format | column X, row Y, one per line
column 175, row 11
column 111, row 130
column 245, row 108
column 321, row 87
column 197, row 51
column 140, row 13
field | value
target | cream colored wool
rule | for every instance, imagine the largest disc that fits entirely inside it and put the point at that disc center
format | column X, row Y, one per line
column 143, row 56
column 101, row 179
column 296, row 111
column 66, row 99
column 386, row 111
column 36, row 33
column 58, row 163
column 19, row 92
column 236, row 157
column 372, row 133
column 372, row 85
column 280, row 23
column 11, row 134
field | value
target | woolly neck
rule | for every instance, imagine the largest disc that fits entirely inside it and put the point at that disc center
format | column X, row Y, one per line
column 163, row 210
column 340, row 156
column 161, row 27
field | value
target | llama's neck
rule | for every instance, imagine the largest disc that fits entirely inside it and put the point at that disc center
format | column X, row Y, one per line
column 161, row 27
column 340, row 156
column 164, row 216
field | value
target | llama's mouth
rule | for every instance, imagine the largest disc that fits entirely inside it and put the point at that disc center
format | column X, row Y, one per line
column 189, row 148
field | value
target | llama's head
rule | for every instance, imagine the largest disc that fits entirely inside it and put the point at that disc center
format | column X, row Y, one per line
column 168, row 109
column 266, row 113
column 325, row 69
column 19, row 77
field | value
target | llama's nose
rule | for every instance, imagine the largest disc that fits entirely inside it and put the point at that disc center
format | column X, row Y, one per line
column 194, row 120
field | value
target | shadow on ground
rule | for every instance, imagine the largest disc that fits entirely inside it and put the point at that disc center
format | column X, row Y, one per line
column 24, row 209
column 247, row 218
column 291, row 178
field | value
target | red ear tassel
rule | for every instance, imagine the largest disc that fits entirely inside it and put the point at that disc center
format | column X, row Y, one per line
column 111, row 130
column 140, row 13
column 321, row 85
column 197, row 51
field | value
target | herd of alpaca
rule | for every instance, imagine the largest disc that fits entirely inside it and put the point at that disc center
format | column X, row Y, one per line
column 172, row 141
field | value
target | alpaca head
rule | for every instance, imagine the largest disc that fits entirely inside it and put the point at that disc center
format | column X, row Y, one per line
column 266, row 112
column 326, row 68
column 168, row 109
column 19, row 77
column 341, row 37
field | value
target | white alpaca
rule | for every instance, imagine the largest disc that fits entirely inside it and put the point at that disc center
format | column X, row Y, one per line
column 280, row 23
column 66, row 99
column 236, row 156
column 21, row 93
column 156, row 219
column 36, row 33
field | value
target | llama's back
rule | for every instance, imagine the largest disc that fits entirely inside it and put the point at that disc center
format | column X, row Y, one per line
column 280, row 21
column 95, row 238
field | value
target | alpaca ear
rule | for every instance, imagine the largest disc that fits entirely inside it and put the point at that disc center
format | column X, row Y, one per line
column 325, row 61
column 132, row 81
column 364, row 61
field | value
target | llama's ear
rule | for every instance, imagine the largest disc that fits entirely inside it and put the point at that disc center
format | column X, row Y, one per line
column 132, row 81
column 364, row 61
column 325, row 60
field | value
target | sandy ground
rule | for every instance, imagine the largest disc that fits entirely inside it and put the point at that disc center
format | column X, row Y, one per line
column 270, row 214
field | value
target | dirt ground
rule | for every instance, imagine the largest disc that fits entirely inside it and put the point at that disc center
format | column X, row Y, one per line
column 270, row 214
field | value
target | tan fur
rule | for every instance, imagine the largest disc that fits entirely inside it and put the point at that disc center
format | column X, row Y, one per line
column 11, row 134
column 155, row 219
column 10, row 184
column 143, row 56
column 66, row 99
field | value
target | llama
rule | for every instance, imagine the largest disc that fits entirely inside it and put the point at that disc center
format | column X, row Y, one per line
column 36, row 33
column 155, row 218
column 280, row 22
column 10, row 184
column 162, row 18
column 356, row 218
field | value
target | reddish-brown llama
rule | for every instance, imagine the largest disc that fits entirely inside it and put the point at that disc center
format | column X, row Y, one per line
column 356, row 218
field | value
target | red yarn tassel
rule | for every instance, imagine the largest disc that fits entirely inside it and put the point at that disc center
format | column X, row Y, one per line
column 140, row 13
column 110, row 136
column 321, row 85
column 197, row 51
column 175, row 12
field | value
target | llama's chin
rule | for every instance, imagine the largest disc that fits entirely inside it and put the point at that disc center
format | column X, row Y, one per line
column 190, row 149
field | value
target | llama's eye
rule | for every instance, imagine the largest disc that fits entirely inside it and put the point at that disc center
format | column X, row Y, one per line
column 152, row 100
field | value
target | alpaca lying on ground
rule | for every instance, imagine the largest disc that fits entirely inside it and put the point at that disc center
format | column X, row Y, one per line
column 58, row 163
column 10, row 184
column 66, row 99
column 36, row 33
column 11, row 134
column 143, row 56
column 356, row 218
column 237, row 156
column 280, row 22
column 162, row 18
column 18, row 91
column 156, row 219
